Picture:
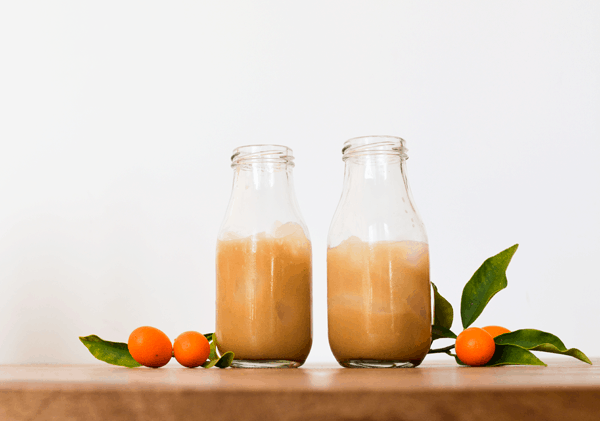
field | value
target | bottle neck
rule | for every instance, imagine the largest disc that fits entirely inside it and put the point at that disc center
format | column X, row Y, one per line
column 377, row 171
column 376, row 203
column 254, row 181
column 262, row 199
column 376, row 181
column 262, row 180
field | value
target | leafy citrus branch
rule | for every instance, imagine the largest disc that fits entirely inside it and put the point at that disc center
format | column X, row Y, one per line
column 512, row 348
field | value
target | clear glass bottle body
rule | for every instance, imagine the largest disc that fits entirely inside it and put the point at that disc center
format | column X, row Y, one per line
column 264, row 264
column 378, row 289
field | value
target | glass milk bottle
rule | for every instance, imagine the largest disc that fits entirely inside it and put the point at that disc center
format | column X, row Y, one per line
column 378, row 290
column 264, row 264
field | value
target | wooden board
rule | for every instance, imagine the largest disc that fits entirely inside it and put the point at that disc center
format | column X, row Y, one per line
column 566, row 389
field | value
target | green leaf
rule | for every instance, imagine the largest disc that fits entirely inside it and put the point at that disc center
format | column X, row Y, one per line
column 443, row 314
column 441, row 332
column 225, row 360
column 213, row 358
column 484, row 284
column 536, row 340
column 513, row 355
column 210, row 363
column 213, row 347
column 115, row 353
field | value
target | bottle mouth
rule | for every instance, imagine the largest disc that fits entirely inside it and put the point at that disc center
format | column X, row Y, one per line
column 262, row 154
column 375, row 145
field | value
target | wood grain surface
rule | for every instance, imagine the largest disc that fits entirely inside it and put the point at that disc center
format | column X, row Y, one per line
column 566, row 389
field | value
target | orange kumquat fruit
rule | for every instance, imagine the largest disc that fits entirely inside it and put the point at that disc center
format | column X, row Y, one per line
column 475, row 346
column 495, row 330
column 149, row 346
column 191, row 349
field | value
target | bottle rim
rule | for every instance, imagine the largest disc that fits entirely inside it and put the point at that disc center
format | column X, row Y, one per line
column 262, row 153
column 375, row 145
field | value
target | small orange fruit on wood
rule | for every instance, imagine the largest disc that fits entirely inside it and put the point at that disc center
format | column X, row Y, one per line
column 191, row 349
column 495, row 330
column 475, row 346
column 149, row 346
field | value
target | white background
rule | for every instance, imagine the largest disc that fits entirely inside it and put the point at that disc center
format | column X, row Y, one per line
column 117, row 120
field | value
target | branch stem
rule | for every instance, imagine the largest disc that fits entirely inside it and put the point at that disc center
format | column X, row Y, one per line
column 441, row 350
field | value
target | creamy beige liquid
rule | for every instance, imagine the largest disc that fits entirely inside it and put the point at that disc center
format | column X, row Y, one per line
column 264, row 295
column 379, row 300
